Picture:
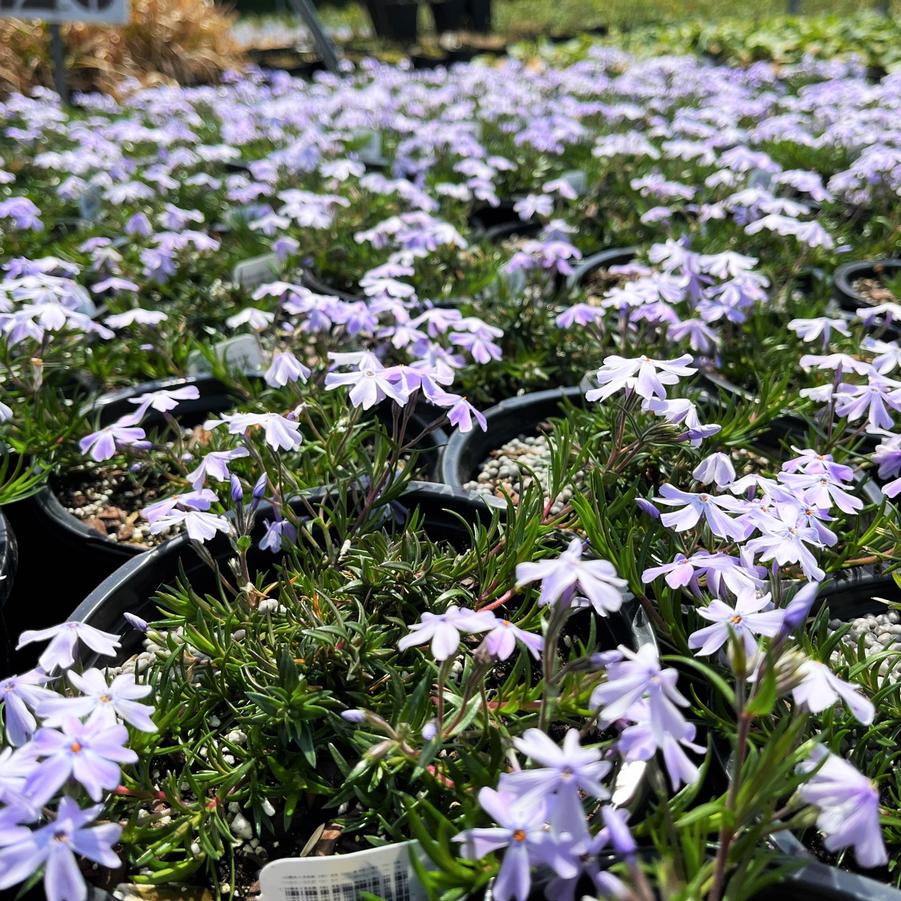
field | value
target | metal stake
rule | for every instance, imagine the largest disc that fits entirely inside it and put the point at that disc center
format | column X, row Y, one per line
column 58, row 57
column 325, row 48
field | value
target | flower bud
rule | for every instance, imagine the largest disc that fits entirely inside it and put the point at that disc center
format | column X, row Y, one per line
column 237, row 490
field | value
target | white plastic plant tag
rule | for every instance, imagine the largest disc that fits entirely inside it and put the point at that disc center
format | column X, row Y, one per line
column 514, row 281
column 256, row 271
column 577, row 180
column 760, row 178
column 89, row 203
column 386, row 872
column 241, row 354
column 371, row 151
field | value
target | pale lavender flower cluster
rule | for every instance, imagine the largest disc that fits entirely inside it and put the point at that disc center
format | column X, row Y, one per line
column 67, row 738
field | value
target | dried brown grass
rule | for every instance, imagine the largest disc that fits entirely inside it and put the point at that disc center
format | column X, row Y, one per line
column 184, row 41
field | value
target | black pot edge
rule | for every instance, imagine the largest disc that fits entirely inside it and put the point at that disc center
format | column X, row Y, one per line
column 9, row 558
column 181, row 544
column 473, row 443
column 460, row 442
column 608, row 256
column 844, row 292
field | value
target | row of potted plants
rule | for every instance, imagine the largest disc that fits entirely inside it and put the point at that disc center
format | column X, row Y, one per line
column 642, row 633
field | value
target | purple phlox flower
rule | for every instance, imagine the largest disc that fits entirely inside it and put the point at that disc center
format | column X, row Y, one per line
column 534, row 205
column 798, row 608
column 560, row 186
column 285, row 246
column 54, row 847
column 16, row 765
column 873, row 400
column 102, row 444
column 681, row 411
column 887, row 354
column 285, row 367
column 118, row 285
column 371, row 382
column 701, row 338
column 717, row 469
column 199, row 524
column 277, row 532
column 522, row 831
column 822, row 327
column 563, row 773
column 747, row 619
column 727, row 265
column 821, row 490
column 849, row 807
column 694, row 506
column 579, row 314
column 24, row 213
column 570, row 768
column 639, row 675
column 644, row 737
column 198, row 499
column 101, row 701
column 892, row 489
column 500, row 642
column 258, row 320
column 139, row 225
column 784, row 541
column 479, row 341
column 647, row 508
column 835, row 361
column 214, row 465
column 462, row 413
column 137, row 315
column 677, row 574
column 163, row 401
column 90, row 753
column 281, row 433
column 643, row 375
column 890, row 312
column 444, row 629
column 21, row 696
column 63, row 639
column 562, row 577
column 821, row 688
column 136, row 622
column 888, row 455
column 812, row 461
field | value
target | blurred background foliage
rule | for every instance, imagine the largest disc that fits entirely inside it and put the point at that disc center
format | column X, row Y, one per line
column 194, row 41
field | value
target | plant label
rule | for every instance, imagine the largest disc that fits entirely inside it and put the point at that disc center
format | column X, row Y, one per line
column 577, row 180
column 385, row 872
column 241, row 354
column 256, row 271
column 90, row 202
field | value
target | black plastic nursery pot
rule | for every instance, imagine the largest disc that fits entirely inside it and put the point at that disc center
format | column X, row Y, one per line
column 9, row 560
column 522, row 415
column 80, row 557
column 444, row 515
column 83, row 557
column 448, row 15
column 843, row 290
column 603, row 259
column 394, row 21
column 849, row 595
column 506, row 421
column 500, row 223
